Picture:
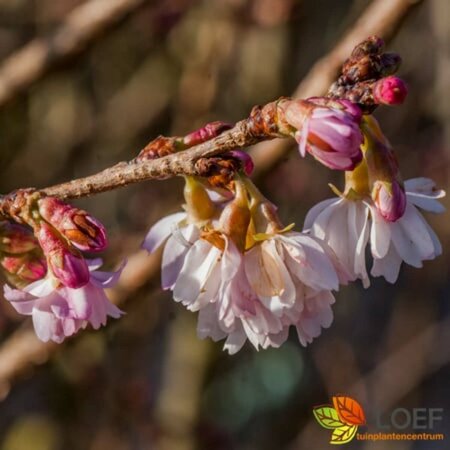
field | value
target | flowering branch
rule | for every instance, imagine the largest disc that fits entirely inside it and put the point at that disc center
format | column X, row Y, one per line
column 381, row 17
column 64, row 291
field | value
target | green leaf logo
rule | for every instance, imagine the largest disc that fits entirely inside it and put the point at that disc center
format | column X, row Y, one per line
column 343, row 434
column 327, row 417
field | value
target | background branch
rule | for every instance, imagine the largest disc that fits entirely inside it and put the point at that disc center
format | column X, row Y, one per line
column 381, row 18
column 77, row 32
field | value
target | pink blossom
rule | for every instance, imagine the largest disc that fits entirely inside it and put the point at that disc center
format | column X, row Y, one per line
column 60, row 311
column 245, row 294
column 328, row 130
column 258, row 295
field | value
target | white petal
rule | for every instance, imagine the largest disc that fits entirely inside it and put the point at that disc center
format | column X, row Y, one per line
column 360, row 226
column 80, row 300
column 321, row 226
column 174, row 253
column 316, row 210
column 107, row 279
column 411, row 237
column 198, row 265
column 235, row 341
column 276, row 340
column 380, row 234
column 316, row 315
column 161, row 231
column 262, row 272
column 310, row 263
column 208, row 324
column 424, row 186
column 388, row 266
column 45, row 325
column 231, row 260
column 40, row 288
column 426, row 203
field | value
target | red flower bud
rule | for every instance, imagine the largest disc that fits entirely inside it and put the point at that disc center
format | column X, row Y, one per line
column 209, row 131
column 15, row 238
column 390, row 91
column 65, row 262
column 84, row 231
column 27, row 268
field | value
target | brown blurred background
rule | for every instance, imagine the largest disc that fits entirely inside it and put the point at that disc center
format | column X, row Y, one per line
column 146, row 381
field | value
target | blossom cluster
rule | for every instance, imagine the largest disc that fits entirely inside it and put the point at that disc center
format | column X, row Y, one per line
column 227, row 255
column 55, row 283
column 230, row 258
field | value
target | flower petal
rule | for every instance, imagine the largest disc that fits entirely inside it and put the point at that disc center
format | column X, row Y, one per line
column 314, row 212
column 380, row 234
column 235, row 341
column 388, row 266
column 161, row 231
column 200, row 263
column 174, row 253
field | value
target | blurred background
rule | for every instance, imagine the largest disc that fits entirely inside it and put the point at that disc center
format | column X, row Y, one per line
column 146, row 381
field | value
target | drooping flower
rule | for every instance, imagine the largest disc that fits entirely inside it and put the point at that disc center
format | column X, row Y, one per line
column 328, row 130
column 348, row 224
column 58, row 311
column 181, row 230
column 258, row 296
column 247, row 277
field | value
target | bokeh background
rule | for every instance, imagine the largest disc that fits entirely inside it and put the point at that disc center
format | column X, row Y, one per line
column 146, row 381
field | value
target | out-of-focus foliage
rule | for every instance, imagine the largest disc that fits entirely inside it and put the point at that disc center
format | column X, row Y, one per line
column 147, row 381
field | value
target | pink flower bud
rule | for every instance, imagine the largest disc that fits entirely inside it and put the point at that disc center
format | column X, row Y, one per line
column 209, row 131
column 328, row 130
column 245, row 159
column 27, row 268
column 390, row 91
column 390, row 199
column 84, row 231
column 66, row 263
column 15, row 238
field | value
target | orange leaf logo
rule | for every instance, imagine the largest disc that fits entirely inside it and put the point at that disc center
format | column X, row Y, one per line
column 349, row 410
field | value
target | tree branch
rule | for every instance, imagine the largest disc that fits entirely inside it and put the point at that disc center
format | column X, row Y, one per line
column 79, row 29
column 181, row 163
